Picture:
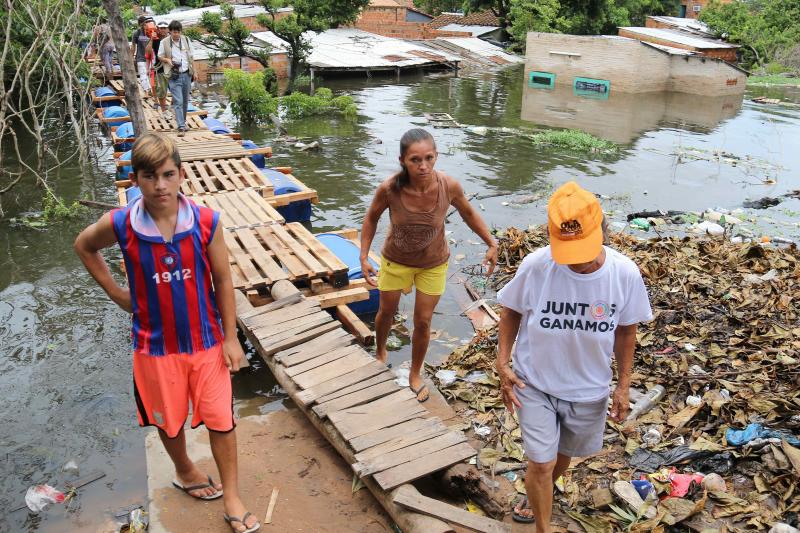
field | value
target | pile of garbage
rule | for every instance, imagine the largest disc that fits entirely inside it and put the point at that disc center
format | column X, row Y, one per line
column 715, row 444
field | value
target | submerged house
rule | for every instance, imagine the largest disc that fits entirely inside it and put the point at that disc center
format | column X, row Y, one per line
column 598, row 65
column 484, row 25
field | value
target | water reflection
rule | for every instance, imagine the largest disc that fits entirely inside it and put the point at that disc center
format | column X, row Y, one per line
column 623, row 117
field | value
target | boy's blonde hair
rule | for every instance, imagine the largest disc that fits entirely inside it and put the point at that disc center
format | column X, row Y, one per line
column 152, row 150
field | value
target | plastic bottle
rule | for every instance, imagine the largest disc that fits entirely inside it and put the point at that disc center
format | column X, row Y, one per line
column 647, row 402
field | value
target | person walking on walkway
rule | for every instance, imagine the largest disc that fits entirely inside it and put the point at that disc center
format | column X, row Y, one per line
column 416, row 251
column 175, row 53
column 162, row 84
column 570, row 306
column 139, row 42
column 184, row 334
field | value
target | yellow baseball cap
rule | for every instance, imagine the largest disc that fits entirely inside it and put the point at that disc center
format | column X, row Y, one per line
column 575, row 224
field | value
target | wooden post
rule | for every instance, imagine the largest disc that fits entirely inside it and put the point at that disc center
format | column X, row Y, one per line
column 126, row 63
column 312, row 79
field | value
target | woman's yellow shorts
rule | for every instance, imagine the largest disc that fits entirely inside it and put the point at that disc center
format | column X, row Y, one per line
column 396, row 277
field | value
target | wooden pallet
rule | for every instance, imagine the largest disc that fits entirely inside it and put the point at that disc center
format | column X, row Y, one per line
column 263, row 255
column 198, row 145
column 393, row 436
column 240, row 209
column 155, row 122
column 211, row 176
column 305, row 192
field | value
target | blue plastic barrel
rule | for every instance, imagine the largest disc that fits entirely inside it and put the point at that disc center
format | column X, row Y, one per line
column 217, row 126
column 103, row 92
column 348, row 252
column 258, row 159
column 299, row 211
column 115, row 111
column 132, row 193
column 125, row 171
column 125, row 131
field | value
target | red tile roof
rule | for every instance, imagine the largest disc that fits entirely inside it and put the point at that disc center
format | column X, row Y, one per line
column 485, row 18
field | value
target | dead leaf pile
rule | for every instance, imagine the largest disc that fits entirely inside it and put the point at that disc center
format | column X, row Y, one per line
column 725, row 344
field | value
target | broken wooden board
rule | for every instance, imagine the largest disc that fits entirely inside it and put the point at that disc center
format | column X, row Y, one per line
column 341, row 297
column 388, row 375
column 337, row 338
column 449, row 513
column 351, row 378
column 424, row 432
column 409, row 453
column 355, row 325
column 325, row 358
column 275, row 344
column 263, row 255
column 353, row 399
column 240, row 209
column 381, row 413
column 385, row 434
column 333, row 369
column 406, row 472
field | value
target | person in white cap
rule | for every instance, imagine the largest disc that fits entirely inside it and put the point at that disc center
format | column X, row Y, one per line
column 570, row 306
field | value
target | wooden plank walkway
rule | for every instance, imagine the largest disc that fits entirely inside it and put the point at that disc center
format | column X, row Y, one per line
column 389, row 438
column 382, row 421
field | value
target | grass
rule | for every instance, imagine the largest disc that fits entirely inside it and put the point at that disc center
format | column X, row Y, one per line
column 574, row 140
column 773, row 79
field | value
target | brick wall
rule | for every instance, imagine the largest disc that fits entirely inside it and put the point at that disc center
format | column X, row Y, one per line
column 279, row 62
column 691, row 4
column 628, row 65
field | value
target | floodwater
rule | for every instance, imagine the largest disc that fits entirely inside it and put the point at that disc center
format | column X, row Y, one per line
column 65, row 371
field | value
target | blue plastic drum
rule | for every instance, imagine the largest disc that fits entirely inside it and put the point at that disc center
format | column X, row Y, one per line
column 124, row 172
column 348, row 252
column 124, row 131
column 132, row 193
column 258, row 159
column 299, row 211
column 217, row 126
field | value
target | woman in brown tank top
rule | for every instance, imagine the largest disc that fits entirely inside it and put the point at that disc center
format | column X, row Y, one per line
column 416, row 251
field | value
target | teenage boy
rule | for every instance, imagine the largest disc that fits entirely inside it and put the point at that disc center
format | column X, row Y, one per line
column 175, row 53
column 184, row 326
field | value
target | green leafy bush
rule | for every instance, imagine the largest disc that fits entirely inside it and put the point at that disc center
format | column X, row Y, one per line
column 250, row 101
column 299, row 105
column 56, row 209
column 162, row 7
column 574, row 140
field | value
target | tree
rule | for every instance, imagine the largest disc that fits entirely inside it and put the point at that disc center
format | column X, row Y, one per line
column 306, row 16
column 437, row 7
column 765, row 28
column 580, row 17
column 228, row 36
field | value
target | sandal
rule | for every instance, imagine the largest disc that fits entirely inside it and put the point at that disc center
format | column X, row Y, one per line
column 177, row 484
column 523, row 503
column 417, row 392
column 231, row 519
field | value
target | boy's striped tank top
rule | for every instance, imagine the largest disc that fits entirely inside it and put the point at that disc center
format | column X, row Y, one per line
column 174, row 308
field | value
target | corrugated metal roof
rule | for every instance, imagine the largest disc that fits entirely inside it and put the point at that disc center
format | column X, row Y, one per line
column 278, row 45
column 475, row 31
column 692, row 25
column 191, row 17
column 678, row 37
column 482, row 48
column 349, row 48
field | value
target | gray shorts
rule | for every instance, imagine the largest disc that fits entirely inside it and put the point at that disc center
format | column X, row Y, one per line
column 550, row 426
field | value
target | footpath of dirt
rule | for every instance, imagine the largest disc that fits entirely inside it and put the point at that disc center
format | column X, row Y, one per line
column 280, row 449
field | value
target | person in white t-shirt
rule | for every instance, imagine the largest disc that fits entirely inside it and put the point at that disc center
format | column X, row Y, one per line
column 570, row 307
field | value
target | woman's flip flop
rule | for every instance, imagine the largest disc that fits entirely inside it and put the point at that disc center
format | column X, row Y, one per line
column 231, row 519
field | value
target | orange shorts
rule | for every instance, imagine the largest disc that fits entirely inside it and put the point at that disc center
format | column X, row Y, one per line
column 163, row 385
